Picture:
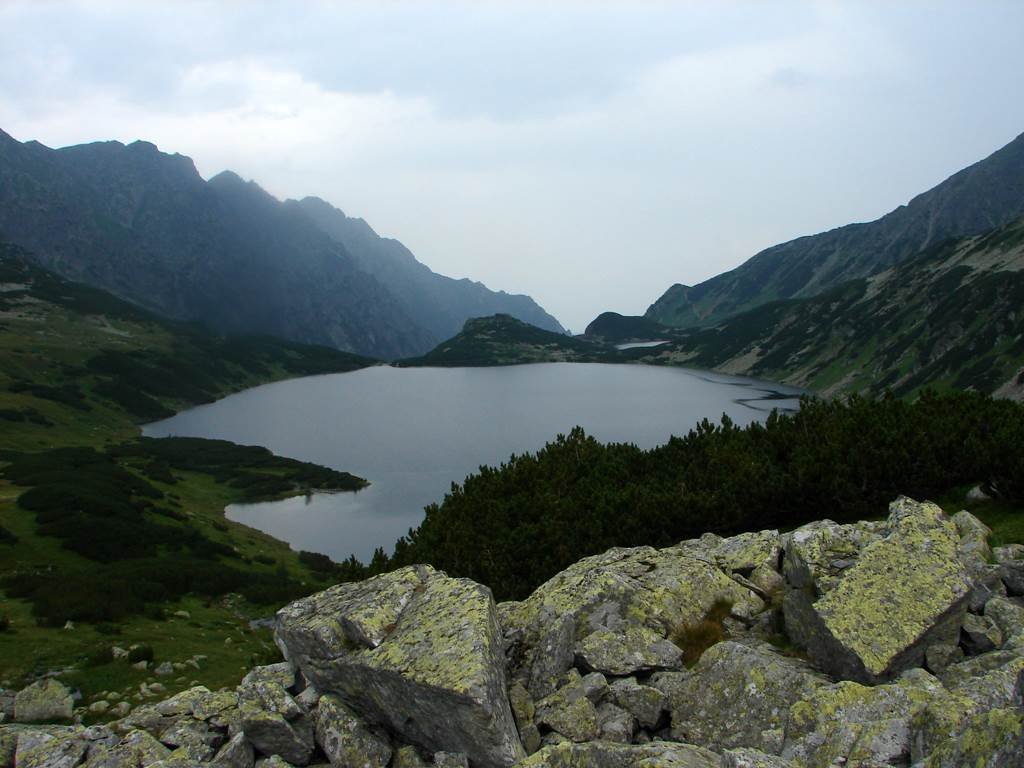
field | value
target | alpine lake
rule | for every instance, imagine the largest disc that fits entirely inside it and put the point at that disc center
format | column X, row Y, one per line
column 412, row 432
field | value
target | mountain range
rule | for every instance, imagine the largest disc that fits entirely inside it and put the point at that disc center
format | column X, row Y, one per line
column 973, row 201
column 146, row 226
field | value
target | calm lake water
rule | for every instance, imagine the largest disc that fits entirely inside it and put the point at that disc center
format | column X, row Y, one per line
column 412, row 432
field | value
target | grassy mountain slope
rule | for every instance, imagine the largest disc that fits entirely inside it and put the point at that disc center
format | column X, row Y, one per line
column 116, row 533
column 949, row 318
column 439, row 304
column 984, row 196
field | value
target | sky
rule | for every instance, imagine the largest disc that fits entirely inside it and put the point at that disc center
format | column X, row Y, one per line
column 589, row 154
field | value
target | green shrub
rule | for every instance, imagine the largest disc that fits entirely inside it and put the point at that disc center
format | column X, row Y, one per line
column 100, row 656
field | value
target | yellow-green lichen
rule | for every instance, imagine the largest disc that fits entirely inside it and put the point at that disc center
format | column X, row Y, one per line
column 451, row 644
column 991, row 739
column 898, row 588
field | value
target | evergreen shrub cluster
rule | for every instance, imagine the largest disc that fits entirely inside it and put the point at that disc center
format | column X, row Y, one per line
column 514, row 526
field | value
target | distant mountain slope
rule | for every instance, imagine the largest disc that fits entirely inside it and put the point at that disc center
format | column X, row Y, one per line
column 986, row 195
column 441, row 305
column 144, row 225
column 613, row 327
column 504, row 340
column 950, row 318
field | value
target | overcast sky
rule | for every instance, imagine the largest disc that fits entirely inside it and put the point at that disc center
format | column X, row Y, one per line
column 589, row 154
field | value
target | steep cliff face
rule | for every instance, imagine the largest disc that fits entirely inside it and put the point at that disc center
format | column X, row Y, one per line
column 984, row 196
column 910, row 630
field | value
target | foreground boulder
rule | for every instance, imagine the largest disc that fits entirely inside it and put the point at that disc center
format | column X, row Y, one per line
column 613, row 612
column 414, row 652
column 737, row 695
column 866, row 614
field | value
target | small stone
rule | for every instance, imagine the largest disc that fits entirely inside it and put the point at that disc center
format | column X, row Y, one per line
column 981, row 633
column 99, row 707
column 236, row 753
column 164, row 670
column 645, row 703
column 615, row 723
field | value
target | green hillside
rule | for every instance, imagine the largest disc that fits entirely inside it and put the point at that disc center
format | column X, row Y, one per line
column 949, row 319
column 108, row 539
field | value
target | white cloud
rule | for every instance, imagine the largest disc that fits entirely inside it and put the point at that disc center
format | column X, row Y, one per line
column 673, row 165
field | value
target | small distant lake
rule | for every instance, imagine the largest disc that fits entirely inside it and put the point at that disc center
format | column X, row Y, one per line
column 412, row 432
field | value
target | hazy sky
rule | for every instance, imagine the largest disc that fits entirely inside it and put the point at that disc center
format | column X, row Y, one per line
column 589, row 154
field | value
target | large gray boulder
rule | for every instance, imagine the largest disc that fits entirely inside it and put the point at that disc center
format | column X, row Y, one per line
column 45, row 701
column 738, row 695
column 414, row 651
column 630, row 600
column 851, row 724
column 901, row 588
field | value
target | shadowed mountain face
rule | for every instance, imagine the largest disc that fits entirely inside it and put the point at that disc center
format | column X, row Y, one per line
column 980, row 198
column 144, row 225
column 439, row 304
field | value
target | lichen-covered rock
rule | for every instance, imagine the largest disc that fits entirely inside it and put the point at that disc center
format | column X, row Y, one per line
column 627, row 651
column 974, row 549
column 570, row 712
column 236, row 753
column 980, row 633
column 646, row 703
column 346, row 740
column 64, row 750
column 407, row 757
column 272, row 734
column 136, row 749
column 819, row 553
column 450, row 760
column 739, row 695
column 198, row 738
column 905, row 590
column 642, row 586
column 615, row 723
column 603, row 754
column 752, row 758
column 993, row 739
column 742, row 553
column 281, row 673
column 45, row 701
column 1008, row 615
column 552, row 657
column 852, row 724
column 414, row 651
